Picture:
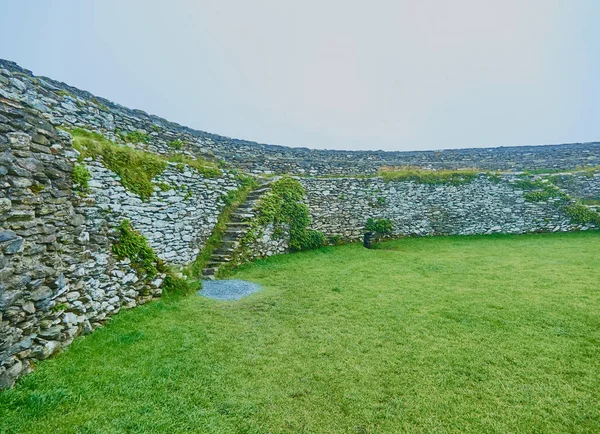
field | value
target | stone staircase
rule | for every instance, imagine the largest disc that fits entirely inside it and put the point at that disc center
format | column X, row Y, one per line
column 237, row 227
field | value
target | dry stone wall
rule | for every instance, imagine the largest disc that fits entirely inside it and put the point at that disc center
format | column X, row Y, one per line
column 341, row 206
column 177, row 221
column 583, row 185
column 62, row 104
column 58, row 278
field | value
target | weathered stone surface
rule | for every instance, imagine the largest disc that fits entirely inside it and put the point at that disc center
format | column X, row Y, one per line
column 341, row 207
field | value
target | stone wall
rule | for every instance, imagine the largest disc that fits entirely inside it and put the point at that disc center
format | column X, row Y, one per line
column 177, row 221
column 58, row 278
column 62, row 104
column 341, row 206
column 584, row 185
column 269, row 241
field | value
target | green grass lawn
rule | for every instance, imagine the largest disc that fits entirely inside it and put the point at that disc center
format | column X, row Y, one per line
column 457, row 334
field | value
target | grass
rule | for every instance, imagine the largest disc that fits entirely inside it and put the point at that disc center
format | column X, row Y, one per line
column 449, row 334
column 593, row 202
column 426, row 176
column 135, row 168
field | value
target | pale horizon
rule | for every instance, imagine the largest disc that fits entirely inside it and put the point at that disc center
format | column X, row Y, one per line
column 393, row 76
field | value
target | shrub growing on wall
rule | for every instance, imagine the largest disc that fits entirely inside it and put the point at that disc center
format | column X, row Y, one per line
column 81, row 178
column 582, row 214
column 176, row 144
column 379, row 226
column 284, row 207
column 430, row 177
column 134, row 246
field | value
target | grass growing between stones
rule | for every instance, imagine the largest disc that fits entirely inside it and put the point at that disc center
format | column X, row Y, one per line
column 135, row 168
column 454, row 334
column 425, row 176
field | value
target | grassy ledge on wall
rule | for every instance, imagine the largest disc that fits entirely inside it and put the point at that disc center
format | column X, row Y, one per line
column 429, row 177
column 134, row 137
column 135, row 168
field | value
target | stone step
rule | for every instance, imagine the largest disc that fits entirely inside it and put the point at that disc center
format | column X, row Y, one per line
column 233, row 236
column 237, row 227
column 223, row 250
column 259, row 191
column 243, row 210
column 252, row 197
column 241, row 217
column 221, row 256
column 229, row 244
column 236, row 224
column 235, row 231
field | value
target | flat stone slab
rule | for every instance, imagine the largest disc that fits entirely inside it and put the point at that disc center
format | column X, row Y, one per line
column 228, row 289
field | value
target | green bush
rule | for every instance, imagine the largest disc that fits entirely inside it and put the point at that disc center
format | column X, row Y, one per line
column 379, row 226
column 135, row 137
column 174, row 285
column 284, row 207
column 582, row 214
column 176, row 144
column 133, row 245
column 308, row 240
column 81, row 178
column 335, row 240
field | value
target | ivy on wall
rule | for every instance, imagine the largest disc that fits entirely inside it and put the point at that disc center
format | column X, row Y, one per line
column 542, row 190
column 284, row 208
column 134, row 246
column 81, row 178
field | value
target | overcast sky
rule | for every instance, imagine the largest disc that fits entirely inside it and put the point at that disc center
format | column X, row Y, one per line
column 394, row 75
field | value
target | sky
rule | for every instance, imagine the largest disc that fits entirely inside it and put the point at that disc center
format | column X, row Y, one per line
column 391, row 75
